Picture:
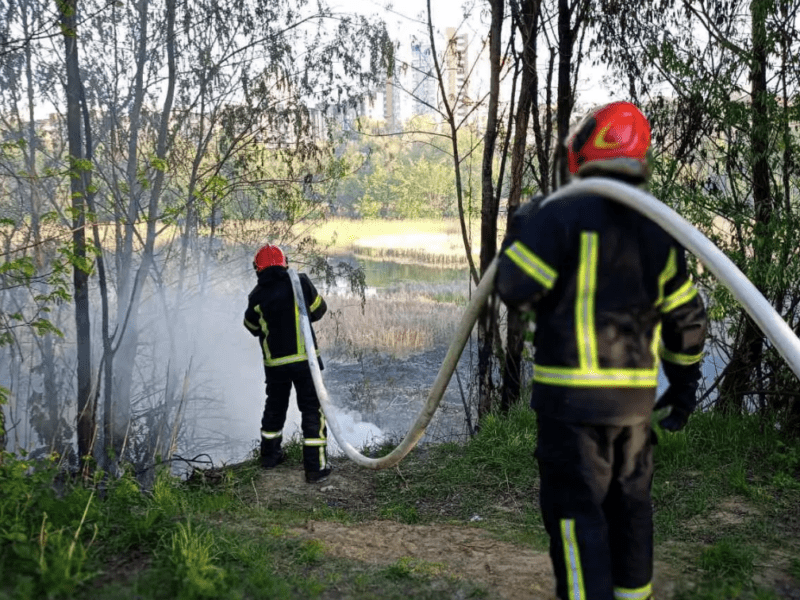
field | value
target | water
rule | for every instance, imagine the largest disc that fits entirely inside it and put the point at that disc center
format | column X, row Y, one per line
column 385, row 275
column 381, row 274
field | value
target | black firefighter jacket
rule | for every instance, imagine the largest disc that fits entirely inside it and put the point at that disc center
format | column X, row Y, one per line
column 611, row 296
column 272, row 315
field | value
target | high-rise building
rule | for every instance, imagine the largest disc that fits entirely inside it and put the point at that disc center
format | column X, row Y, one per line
column 456, row 62
column 423, row 78
column 392, row 112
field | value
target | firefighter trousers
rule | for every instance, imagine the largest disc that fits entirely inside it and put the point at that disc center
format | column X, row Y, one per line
column 596, row 508
column 279, row 386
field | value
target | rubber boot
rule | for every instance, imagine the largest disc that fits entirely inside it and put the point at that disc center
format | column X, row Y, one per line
column 271, row 453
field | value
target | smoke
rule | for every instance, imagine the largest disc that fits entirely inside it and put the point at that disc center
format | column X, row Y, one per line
column 227, row 374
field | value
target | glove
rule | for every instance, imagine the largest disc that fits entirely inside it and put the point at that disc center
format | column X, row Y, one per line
column 681, row 405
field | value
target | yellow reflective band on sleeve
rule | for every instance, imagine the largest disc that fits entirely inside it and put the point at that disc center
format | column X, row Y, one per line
column 585, row 302
column 532, row 265
column 670, row 270
column 678, row 358
column 642, row 593
column 315, row 442
column 271, row 435
column 655, row 345
column 572, row 560
column 576, row 377
column 301, row 344
column 681, row 296
column 263, row 324
column 316, row 304
column 249, row 325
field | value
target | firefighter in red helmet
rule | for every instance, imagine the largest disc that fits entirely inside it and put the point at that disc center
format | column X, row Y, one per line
column 612, row 299
column 273, row 317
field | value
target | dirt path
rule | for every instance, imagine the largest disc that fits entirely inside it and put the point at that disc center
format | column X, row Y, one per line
column 508, row 571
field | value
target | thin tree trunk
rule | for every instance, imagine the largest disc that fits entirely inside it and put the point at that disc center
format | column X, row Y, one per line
column 749, row 348
column 566, row 42
column 450, row 117
column 79, row 184
column 117, row 414
column 527, row 23
column 489, row 210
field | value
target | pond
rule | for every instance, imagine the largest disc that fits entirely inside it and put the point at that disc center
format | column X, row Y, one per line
column 385, row 274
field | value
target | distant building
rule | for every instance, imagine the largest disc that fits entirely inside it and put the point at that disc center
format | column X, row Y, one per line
column 394, row 97
column 424, row 88
column 456, row 75
column 413, row 89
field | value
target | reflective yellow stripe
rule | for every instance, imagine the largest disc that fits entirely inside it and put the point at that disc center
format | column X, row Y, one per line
column 285, row 360
column 263, row 324
column 532, row 265
column 314, row 442
column 588, row 373
column 301, row 344
column 291, row 358
column 585, row 302
column 271, row 435
column 683, row 294
column 322, row 423
column 655, row 344
column 572, row 560
column 316, row 304
column 677, row 358
column 642, row 593
column 577, row 377
column 249, row 325
column 670, row 270
column 322, row 438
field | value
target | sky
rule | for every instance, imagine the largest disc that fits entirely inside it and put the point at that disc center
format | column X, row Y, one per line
column 411, row 13
column 404, row 16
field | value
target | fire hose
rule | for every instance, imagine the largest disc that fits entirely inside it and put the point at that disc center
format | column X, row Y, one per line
column 761, row 311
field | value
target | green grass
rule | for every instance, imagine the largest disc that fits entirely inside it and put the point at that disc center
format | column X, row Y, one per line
column 725, row 497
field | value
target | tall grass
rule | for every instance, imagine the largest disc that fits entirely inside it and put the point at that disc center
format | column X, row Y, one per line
column 397, row 324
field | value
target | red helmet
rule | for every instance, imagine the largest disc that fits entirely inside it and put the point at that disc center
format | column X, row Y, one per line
column 269, row 256
column 614, row 138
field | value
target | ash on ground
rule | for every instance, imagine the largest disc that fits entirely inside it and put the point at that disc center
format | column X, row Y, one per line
column 390, row 392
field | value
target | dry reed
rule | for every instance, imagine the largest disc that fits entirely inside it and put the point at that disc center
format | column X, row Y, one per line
column 398, row 325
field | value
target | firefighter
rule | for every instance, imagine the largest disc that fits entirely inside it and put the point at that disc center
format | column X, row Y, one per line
column 611, row 298
column 273, row 317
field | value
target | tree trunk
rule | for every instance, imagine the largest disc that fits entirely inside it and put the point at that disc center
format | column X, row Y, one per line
column 566, row 42
column 741, row 374
column 527, row 23
column 79, row 184
column 117, row 413
column 489, row 210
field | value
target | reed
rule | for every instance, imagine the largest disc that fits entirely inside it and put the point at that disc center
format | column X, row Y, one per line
column 398, row 324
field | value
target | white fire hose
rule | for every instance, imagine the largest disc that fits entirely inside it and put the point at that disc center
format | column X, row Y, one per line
column 762, row 312
column 434, row 396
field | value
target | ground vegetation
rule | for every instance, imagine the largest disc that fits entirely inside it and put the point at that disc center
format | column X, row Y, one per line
column 451, row 521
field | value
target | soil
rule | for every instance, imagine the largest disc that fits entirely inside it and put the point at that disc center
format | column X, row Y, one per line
column 508, row 571
column 390, row 392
